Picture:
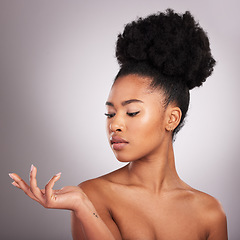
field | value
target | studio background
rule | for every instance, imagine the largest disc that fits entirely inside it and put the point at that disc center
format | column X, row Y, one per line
column 57, row 65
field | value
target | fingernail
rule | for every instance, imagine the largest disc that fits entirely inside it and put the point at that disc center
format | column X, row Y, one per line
column 31, row 168
column 58, row 174
column 10, row 175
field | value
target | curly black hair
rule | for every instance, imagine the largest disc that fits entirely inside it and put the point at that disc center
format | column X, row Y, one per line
column 170, row 48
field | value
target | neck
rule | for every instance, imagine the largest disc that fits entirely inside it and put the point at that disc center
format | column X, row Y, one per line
column 156, row 173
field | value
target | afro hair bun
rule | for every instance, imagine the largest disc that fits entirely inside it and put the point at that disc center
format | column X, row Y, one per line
column 172, row 43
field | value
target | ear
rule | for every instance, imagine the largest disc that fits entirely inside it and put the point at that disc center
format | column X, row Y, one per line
column 174, row 115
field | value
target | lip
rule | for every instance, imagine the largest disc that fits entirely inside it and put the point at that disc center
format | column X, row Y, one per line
column 118, row 143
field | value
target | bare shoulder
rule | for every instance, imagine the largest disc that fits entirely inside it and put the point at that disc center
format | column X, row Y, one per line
column 95, row 189
column 102, row 183
column 99, row 189
column 212, row 214
column 208, row 204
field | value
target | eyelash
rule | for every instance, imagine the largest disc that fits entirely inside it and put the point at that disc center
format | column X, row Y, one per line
column 109, row 115
column 133, row 114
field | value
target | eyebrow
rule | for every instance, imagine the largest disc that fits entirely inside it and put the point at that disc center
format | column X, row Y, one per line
column 124, row 103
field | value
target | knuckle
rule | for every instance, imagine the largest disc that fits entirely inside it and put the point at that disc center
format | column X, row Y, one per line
column 31, row 189
column 48, row 204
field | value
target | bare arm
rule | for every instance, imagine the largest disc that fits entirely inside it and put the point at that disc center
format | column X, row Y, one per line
column 219, row 229
column 72, row 198
column 80, row 230
column 102, row 214
column 218, row 223
column 91, row 227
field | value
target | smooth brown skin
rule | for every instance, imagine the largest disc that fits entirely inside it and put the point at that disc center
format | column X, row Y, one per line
column 146, row 199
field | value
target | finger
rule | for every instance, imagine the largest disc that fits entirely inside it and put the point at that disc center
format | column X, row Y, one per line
column 49, row 192
column 33, row 184
column 54, row 191
column 21, row 184
column 67, row 189
column 15, row 184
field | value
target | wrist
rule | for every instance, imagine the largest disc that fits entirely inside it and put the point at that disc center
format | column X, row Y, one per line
column 84, row 209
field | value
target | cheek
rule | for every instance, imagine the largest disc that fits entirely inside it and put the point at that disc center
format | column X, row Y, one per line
column 147, row 125
column 146, row 135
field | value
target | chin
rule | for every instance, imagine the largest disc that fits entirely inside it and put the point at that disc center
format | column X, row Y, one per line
column 124, row 157
column 123, row 160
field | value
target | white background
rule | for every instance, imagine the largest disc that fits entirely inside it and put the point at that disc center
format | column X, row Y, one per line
column 56, row 68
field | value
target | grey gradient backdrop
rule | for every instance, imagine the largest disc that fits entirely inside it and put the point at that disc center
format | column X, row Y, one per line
column 56, row 68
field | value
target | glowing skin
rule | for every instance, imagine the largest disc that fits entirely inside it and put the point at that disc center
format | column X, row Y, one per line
column 146, row 199
column 141, row 122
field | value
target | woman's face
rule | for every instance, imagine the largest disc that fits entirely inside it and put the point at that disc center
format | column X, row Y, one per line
column 136, row 119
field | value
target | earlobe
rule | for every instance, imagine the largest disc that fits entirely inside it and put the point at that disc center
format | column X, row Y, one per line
column 174, row 118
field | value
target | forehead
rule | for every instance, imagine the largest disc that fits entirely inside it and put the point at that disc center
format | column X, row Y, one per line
column 131, row 87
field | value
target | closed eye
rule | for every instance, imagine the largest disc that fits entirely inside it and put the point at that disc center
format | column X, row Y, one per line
column 132, row 114
column 110, row 115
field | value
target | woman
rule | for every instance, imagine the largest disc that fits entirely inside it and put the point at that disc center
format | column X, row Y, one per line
column 161, row 58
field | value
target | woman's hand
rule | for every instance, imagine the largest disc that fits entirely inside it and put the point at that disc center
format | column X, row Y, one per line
column 70, row 197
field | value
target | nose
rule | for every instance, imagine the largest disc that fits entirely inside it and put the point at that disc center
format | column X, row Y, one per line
column 116, row 125
column 115, row 128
